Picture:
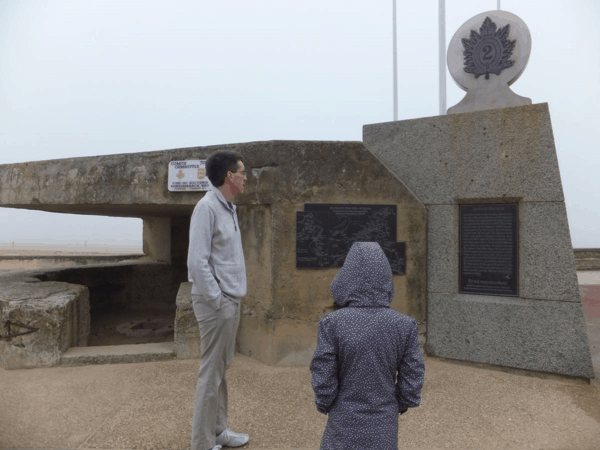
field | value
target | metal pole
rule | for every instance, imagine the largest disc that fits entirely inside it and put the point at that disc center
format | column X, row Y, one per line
column 395, row 58
column 442, row 60
column 498, row 5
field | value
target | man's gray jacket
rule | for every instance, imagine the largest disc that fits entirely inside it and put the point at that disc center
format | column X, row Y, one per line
column 216, row 263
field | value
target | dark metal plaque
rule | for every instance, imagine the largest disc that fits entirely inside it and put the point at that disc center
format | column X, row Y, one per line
column 396, row 255
column 312, row 247
column 325, row 233
column 489, row 250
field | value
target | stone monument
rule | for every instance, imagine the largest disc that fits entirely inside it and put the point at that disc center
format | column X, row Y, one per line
column 487, row 54
column 501, row 279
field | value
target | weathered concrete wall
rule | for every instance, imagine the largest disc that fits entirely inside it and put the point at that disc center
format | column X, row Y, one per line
column 281, row 311
column 255, row 337
column 125, row 286
column 311, row 173
column 61, row 302
column 187, row 332
column 157, row 238
column 280, row 314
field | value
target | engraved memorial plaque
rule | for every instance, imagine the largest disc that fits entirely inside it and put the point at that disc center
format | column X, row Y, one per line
column 312, row 249
column 489, row 250
column 396, row 255
column 325, row 233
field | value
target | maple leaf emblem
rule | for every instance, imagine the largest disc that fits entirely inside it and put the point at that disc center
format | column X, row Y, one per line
column 488, row 51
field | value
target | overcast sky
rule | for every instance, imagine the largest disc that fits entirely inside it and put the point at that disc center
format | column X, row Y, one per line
column 96, row 77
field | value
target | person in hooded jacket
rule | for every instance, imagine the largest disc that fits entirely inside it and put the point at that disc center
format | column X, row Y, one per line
column 367, row 367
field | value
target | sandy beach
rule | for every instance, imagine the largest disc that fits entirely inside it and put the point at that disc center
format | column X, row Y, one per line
column 30, row 249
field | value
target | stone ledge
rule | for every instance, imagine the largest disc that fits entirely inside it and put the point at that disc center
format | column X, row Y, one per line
column 59, row 311
column 116, row 354
column 520, row 372
column 507, row 331
column 37, row 262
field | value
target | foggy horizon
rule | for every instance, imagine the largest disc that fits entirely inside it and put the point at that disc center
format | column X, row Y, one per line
column 102, row 77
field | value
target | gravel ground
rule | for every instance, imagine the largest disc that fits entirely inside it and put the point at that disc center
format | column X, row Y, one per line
column 149, row 405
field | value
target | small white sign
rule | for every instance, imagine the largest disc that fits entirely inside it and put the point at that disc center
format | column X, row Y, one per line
column 188, row 176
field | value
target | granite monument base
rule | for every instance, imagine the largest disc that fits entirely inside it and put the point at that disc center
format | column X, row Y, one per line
column 539, row 335
column 496, row 156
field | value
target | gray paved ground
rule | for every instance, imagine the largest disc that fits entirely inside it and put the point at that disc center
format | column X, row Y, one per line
column 149, row 405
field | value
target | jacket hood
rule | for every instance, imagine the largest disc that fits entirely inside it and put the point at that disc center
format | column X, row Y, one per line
column 365, row 279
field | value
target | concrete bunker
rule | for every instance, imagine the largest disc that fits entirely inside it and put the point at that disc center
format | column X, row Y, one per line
column 123, row 297
column 281, row 311
column 444, row 162
column 126, row 292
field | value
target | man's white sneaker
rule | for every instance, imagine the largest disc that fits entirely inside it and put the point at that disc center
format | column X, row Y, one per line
column 216, row 447
column 230, row 438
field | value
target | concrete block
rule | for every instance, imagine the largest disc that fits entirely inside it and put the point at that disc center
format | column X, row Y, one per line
column 59, row 312
column 547, row 336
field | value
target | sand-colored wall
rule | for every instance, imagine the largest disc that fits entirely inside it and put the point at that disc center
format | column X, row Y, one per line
column 284, row 304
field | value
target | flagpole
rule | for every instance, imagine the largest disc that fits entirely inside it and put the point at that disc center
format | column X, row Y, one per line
column 395, row 58
column 498, row 5
column 442, row 60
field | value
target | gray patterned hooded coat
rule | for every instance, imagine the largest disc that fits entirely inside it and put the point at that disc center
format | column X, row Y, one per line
column 368, row 366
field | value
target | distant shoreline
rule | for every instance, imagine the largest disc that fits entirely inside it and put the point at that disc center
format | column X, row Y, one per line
column 67, row 250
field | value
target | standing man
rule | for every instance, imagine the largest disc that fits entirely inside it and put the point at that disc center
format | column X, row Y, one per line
column 217, row 269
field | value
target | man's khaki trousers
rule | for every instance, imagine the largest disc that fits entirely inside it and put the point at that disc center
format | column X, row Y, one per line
column 218, row 329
